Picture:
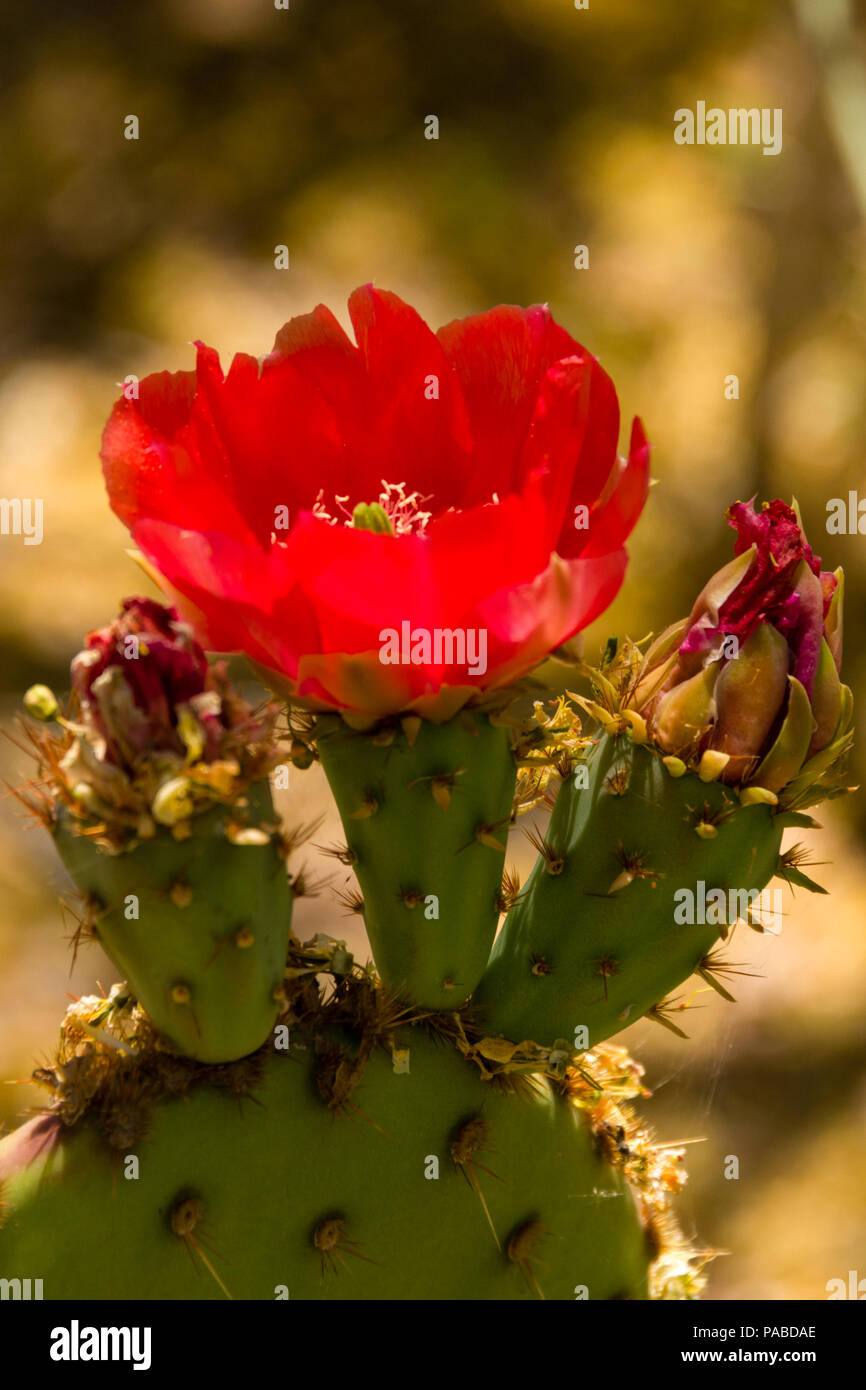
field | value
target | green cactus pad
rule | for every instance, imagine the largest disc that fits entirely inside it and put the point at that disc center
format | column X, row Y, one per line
column 426, row 823
column 282, row 1193
column 198, row 926
column 593, row 943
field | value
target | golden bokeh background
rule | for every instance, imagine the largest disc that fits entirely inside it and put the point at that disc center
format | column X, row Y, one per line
column 305, row 127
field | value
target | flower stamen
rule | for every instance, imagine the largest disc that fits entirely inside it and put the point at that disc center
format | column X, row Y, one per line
column 395, row 511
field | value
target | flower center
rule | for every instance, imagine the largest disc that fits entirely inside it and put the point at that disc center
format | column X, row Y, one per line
column 371, row 516
column 395, row 513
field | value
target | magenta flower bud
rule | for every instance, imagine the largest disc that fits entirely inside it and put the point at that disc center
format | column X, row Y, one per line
column 156, row 736
column 136, row 677
column 753, row 673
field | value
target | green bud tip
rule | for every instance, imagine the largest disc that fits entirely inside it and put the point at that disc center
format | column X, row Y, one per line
column 40, row 703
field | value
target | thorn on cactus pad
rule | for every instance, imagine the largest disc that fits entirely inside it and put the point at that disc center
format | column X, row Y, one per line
column 606, row 968
column 660, row 1012
column 85, row 920
column 125, row 1111
column 554, row 862
column 305, row 884
column 411, row 898
column 521, row 1248
column 342, row 853
column 617, row 783
column 185, row 1219
column 540, row 965
column 485, row 835
column 633, row 867
column 441, row 786
column 714, row 964
column 469, row 1139
column 244, row 938
column 180, row 894
column 411, row 726
column 186, row 1215
column 181, row 994
column 791, row 864
column 299, row 835
column 351, row 898
column 368, row 807
column 510, row 891
column 330, row 1239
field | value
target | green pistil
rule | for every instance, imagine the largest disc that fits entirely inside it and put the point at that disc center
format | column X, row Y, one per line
column 371, row 516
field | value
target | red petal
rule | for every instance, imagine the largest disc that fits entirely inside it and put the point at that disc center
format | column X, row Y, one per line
column 553, row 446
column 500, row 358
column 279, row 437
column 327, row 561
column 526, row 623
column 149, row 470
column 423, row 442
column 619, row 515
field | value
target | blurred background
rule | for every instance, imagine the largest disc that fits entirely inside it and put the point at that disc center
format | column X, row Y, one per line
column 304, row 127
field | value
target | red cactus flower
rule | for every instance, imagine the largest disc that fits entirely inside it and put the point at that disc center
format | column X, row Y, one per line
column 331, row 510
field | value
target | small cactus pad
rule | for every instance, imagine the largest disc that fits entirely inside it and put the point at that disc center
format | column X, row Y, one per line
column 425, row 809
column 277, row 1178
column 594, row 943
column 199, row 926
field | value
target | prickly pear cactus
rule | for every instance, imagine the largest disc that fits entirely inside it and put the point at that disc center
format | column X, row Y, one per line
column 257, row 1117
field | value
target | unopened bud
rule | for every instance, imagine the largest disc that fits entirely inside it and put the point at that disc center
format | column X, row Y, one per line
column 40, row 703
